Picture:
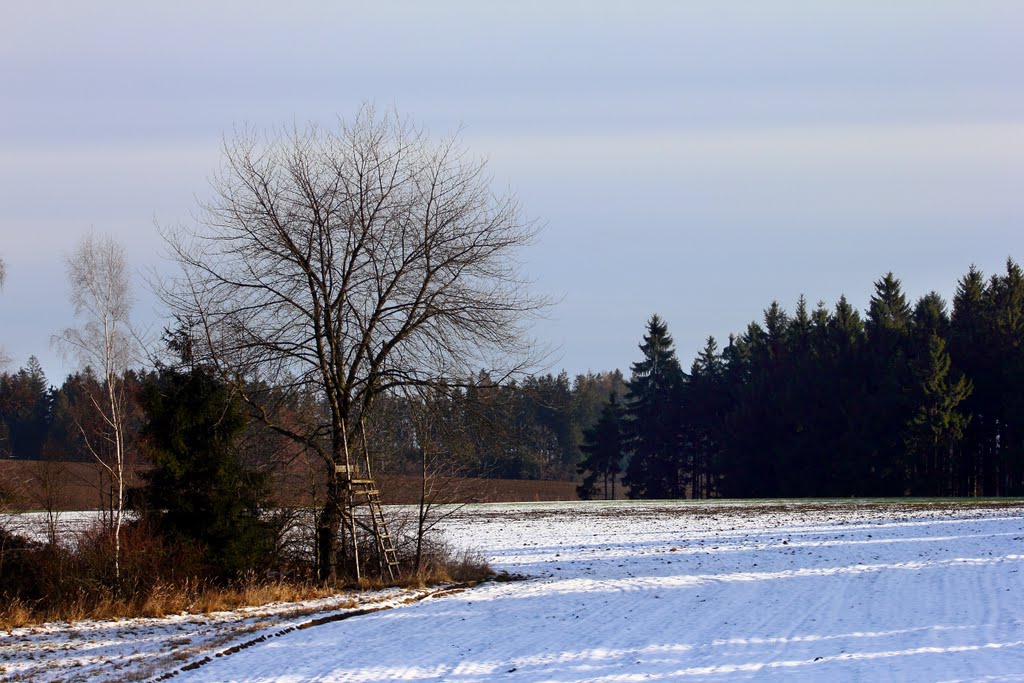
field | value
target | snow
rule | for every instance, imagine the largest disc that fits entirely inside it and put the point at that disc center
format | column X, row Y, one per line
column 637, row 591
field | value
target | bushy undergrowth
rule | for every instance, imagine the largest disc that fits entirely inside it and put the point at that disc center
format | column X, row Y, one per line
column 441, row 563
column 49, row 582
column 40, row 582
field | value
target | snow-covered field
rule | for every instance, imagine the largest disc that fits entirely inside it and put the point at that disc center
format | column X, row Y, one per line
column 627, row 591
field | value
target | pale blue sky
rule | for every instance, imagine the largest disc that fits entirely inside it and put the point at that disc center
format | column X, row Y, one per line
column 694, row 159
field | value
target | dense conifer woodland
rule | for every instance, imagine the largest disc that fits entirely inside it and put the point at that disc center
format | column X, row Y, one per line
column 906, row 398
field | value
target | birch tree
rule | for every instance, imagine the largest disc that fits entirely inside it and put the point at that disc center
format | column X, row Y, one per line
column 102, row 300
column 353, row 261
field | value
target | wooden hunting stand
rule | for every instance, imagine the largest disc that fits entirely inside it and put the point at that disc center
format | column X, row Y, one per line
column 361, row 511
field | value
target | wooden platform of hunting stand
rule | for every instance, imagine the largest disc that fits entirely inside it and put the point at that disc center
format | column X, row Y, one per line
column 362, row 510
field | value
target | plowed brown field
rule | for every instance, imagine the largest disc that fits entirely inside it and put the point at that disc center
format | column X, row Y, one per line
column 30, row 484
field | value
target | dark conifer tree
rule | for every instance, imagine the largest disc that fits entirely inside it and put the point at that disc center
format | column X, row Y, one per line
column 657, row 466
column 846, row 435
column 603, row 447
column 758, row 445
column 937, row 424
column 887, row 372
column 705, row 414
column 930, row 319
column 1007, row 331
column 972, row 352
column 590, row 395
column 197, row 491
column 806, row 404
column 734, row 472
column 888, row 312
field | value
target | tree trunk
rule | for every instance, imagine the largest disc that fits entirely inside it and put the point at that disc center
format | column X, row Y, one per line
column 421, row 522
column 327, row 534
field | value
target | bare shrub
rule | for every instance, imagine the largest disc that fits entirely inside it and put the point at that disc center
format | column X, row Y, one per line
column 441, row 563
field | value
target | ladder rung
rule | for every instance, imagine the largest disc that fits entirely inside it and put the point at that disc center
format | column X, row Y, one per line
column 362, row 482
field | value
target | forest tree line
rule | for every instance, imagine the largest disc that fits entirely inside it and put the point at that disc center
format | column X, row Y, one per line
column 527, row 429
column 905, row 400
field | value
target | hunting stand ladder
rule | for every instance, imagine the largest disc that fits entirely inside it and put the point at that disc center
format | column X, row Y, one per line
column 361, row 511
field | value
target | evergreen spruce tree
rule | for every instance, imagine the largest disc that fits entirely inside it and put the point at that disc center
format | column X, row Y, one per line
column 806, row 404
column 604, row 447
column 759, row 431
column 776, row 329
column 937, row 424
column 845, row 430
column 846, row 327
column 801, row 330
column 657, row 467
column 888, row 312
column 197, row 491
column 1007, row 338
column 930, row 319
column 733, row 471
column 972, row 350
column 887, row 373
column 705, row 418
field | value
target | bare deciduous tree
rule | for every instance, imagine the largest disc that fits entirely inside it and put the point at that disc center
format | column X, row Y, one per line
column 355, row 261
column 102, row 300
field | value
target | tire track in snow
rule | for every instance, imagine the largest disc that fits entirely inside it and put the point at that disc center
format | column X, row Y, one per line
column 319, row 621
column 635, row 583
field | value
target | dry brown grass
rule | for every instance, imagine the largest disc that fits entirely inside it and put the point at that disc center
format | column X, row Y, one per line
column 15, row 614
column 256, row 593
column 161, row 601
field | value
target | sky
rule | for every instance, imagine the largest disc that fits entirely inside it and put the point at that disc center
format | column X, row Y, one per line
column 697, row 160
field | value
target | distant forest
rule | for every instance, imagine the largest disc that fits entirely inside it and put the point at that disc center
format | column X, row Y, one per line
column 906, row 400
column 902, row 400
